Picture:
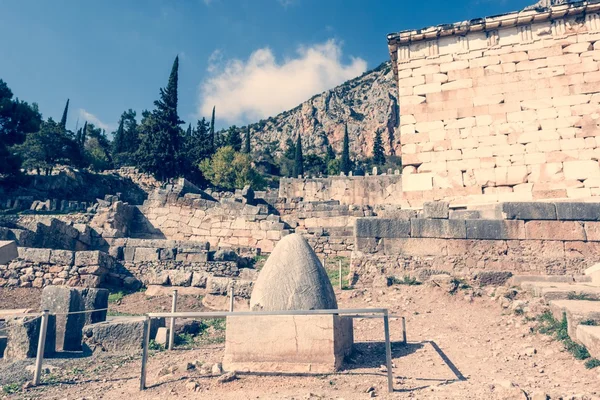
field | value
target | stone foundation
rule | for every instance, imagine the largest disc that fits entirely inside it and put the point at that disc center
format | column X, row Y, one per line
column 299, row 343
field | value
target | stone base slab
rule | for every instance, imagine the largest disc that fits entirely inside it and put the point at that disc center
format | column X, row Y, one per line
column 286, row 343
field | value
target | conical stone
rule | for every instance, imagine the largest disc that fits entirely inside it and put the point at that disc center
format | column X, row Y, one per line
column 293, row 279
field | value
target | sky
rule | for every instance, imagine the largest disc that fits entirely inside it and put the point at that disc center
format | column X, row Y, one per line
column 250, row 58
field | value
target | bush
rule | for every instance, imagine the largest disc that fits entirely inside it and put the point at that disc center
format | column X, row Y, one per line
column 230, row 170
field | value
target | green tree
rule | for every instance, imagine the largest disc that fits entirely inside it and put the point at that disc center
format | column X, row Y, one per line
column 329, row 154
column 160, row 148
column 378, row 151
column 17, row 118
column 234, row 139
column 346, row 164
column 314, row 165
column 97, row 149
column 290, row 149
column 212, row 129
column 391, row 141
column 247, row 141
column 230, row 170
column 63, row 120
column 298, row 158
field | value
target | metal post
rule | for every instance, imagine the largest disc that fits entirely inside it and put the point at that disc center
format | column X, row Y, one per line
column 231, row 299
column 40, row 348
column 404, row 330
column 340, row 267
column 388, row 351
column 145, row 352
column 172, row 322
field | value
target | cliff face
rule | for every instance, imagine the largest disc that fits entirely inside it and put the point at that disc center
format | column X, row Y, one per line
column 365, row 104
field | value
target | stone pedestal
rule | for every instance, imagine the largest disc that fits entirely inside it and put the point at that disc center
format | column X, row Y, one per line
column 286, row 343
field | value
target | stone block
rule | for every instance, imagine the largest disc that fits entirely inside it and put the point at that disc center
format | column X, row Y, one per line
column 495, row 229
column 594, row 273
column 464, row 214
column 199, row 279
column 88, row 258
column 60, row 300
column 529, row 211
column 589, row 336
column 436, row 209
column 577, row 211
column 417, row 182
column 438, row 228
column 22, row 337
column 120, row 334
column 129, row 254
column 581, row 169
column 8, row 252
column 282, row 343
column 146, row 254
column 218, row 285
column 62, row 257
column 555, row 230
column 35, row 255
column 381, row 228
column 179, row 278
column 167, row 254
column 492, row 278
column 162, row 336
column 94, row 299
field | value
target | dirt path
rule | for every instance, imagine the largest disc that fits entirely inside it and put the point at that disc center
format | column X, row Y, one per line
column 459, row 347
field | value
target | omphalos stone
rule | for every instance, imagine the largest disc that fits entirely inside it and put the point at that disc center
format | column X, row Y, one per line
column 292, row 279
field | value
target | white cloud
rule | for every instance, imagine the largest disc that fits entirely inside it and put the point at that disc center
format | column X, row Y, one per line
column 246, row 91
column 89, row 117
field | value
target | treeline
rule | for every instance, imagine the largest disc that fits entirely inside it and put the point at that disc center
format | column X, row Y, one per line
column 157, row 145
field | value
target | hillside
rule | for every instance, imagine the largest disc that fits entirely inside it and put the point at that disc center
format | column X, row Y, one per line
column 365, row 104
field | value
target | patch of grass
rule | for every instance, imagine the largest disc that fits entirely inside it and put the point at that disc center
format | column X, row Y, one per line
column 116, row 297
column 333, row 271
column 581, row 296
column 120, row 314
column 50, row 379
column 406, row 280
column 558, row 329
column 184, row 339
column 11, row 388
column 152, row 345
column 259, row 261
column 592, row 363
column 459, row 284
column 589, row 322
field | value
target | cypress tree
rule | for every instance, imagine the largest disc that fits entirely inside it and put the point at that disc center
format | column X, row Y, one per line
column 63, row 120
column 330, row 154
column 247, row 141
column 298, row 159
column 212, row 128
column 82, row 137
column 346, row 164
column 119, row 139
column 378, row 151
column 391, row 140
column 188, row 133
column 234, row 139
column 160, row 151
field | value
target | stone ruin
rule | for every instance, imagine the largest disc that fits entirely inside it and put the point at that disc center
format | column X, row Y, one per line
column 292, row 279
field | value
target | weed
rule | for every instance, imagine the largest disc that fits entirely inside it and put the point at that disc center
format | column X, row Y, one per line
column 459, row 283
column 333, row 272
column 259, row 261
column 406, row 280
column 519, row 311
column 589, row 322
column 11, row 388
column 592, row 363
column 152, row 345
column 550, row 326
column 119, row 314
column 50, row 379
column 116, row 297
column 581, row 296
column 184, row 339
column 77, row 371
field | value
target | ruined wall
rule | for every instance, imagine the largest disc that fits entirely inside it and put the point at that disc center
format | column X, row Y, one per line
column 351, row 190
column 501, row 108
column 523, row 238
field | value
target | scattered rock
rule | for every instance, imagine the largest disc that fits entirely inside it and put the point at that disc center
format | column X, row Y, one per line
column 191, row 386
column 228, row 377
column 217, row 369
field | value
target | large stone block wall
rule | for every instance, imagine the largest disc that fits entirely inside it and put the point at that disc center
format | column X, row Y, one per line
column 350, row 190
column 501, row 109
column 522, row 238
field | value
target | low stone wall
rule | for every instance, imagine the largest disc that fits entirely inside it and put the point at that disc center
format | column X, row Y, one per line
column 43, row 267
column 351, row 190
column 523, row 238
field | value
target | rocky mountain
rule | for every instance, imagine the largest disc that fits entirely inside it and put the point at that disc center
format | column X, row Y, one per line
column 365, row 104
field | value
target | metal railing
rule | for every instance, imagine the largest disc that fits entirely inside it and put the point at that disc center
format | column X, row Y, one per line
column 350, row 313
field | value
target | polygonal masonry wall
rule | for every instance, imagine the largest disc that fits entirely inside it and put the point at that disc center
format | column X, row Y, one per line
column 503, row 108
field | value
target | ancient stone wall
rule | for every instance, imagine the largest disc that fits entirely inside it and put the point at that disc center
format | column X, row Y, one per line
column 503, row 108
column 523, row 238
column 350, row 190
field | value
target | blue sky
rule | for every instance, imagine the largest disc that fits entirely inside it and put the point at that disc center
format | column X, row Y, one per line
column 253, row 58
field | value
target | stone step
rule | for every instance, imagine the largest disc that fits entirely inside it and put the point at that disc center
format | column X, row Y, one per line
column 519, row 279
column 589, row 336
column 562, row 291
column 576, row 311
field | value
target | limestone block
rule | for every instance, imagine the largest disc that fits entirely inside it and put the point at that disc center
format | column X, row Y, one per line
column 495, row 229
column 456, row 65
column 437, row 228
column 564, row 59
column 61, row 299
column 555, row 230
column 570, row 211
column 417, row 182
column 199, row 279
column 94, row 299
column 302, row 343
column 416, row 246
column 581, row 169
column 589, row 336
column 381, row 228
column 578, row 47
column 529, row 211
column 146, row 254
column 120, row 334
column 436, row 209
column 511, row 175
column 179, row 277
column 492, row 278
column 87, row 258
column 34, row 255
column 428, row 88
column 8, row 252
column 458, row 84
column 23, row 335
column 218, row 285
column 549, row 172
column 556, row 50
